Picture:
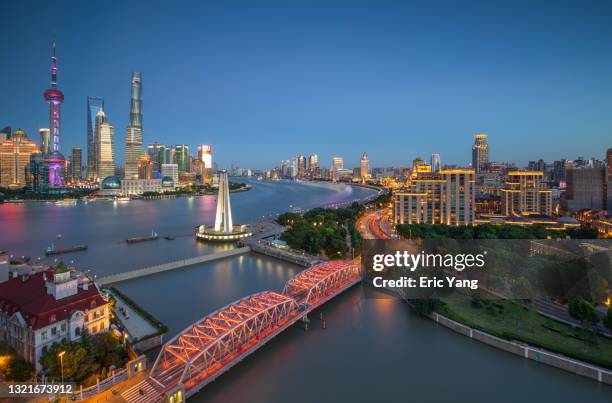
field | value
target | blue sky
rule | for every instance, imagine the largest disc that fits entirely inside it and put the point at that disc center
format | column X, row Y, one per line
column 264, row 81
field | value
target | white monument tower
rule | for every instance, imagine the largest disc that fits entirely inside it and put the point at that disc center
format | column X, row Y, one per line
column 224, row 229
column 223, row 219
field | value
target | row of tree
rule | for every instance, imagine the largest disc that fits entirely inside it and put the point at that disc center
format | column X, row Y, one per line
column 322, row 231
column 489, row 231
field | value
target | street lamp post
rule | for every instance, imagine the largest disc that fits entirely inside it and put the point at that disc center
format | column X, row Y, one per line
column 61, row 357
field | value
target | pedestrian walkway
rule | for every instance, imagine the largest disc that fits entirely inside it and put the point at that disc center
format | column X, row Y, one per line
column 142, row 392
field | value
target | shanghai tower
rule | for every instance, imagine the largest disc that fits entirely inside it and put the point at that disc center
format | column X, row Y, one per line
column 54, row 160
column 133, row 135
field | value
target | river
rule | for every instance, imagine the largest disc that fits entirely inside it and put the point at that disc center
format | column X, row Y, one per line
column 373, row 350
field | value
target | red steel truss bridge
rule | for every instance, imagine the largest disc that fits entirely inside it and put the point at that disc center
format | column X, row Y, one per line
column 212, row 345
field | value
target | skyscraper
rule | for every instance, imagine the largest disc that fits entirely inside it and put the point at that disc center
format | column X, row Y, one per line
column 54, row 97
column 45, row 138
column 14, row 157
column 364, row 167
column 94, row 104
column 436, row 162
column 181, row 155
column 133, row 135
column 77, row 163
column 313, row 162
column 480, row 152
column 609, row 180
column 205, row 155
column 105, row 134
column 337, row 163
column 301, row 166
column 145, row 167
column 155, row 152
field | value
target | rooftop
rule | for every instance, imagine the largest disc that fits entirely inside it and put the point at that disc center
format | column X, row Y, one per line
column 28, row 295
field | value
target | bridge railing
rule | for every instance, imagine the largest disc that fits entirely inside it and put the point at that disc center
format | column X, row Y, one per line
column 205, row 347
column 321, row 280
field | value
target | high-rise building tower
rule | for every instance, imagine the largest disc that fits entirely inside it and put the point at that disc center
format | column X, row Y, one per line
column 77, row 163
column 609, row 180
column 364, row 167
column 181, row 155
column 313, row 162
column 436, row 162
column 45, row 139
column 14, row 157
column 301, row 166
column 54, row 97
column 94, row 104
column 480, row 152
column 105, row 133
column 133, row 135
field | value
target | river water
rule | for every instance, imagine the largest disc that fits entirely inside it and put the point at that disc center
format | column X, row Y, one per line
column 373, row 350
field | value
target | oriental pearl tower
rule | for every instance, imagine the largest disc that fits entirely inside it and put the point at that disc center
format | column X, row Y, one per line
column 55, row 161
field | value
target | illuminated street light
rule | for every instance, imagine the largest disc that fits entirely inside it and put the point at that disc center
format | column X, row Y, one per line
column 61, row 357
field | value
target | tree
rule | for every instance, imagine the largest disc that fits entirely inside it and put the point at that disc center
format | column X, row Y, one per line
column 19, row 370
column 75, row 361
column 424, row 306
column 607, row 320
column 582, row 310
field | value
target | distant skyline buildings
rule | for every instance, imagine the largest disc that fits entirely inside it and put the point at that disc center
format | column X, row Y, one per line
column 356, row 109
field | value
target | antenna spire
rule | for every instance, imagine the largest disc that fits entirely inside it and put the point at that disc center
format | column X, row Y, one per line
column 53, row 66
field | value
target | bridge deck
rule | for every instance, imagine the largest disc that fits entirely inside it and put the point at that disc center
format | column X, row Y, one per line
column 213, row 345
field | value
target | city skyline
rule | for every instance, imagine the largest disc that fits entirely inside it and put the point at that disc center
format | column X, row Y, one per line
column 234, row 92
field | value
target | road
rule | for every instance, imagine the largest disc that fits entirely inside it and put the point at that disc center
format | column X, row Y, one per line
column 374, row 225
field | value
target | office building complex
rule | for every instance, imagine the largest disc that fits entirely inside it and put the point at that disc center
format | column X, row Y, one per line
column 54, row 159
column 525, row 193
column 105, row 136
column 480, row 152
column 14, row 158
column 445, row 197
column 133, row 133
column 94, row 104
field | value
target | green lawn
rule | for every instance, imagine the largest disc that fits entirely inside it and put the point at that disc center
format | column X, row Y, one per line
column 511, row 320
